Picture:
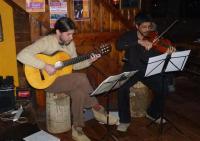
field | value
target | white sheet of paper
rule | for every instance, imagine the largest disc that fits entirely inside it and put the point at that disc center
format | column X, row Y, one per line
column 109, row 82
column 155, row 65
column 41, row 136
column 177, row 61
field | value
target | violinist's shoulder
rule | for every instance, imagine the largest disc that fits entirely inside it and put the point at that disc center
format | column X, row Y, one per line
column 130, row 33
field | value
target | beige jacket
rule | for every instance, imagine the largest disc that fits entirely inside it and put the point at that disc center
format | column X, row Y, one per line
column 48, row 45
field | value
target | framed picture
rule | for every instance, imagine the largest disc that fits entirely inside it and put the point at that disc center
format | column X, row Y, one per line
column 81, row 9
column 1, row 30
column 130, row 3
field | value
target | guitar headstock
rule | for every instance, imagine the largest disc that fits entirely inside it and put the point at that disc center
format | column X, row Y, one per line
column 104, row 49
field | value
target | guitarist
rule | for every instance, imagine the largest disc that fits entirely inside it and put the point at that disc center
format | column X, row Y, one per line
column 74, row 84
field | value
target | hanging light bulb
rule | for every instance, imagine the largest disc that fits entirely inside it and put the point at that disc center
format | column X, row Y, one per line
column 116, row 3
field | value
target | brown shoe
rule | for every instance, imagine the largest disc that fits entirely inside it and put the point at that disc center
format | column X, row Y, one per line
column 78, row 134
column 101, row 116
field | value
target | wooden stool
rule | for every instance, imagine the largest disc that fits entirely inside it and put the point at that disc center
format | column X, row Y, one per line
column 58, row 117
column 140, row 97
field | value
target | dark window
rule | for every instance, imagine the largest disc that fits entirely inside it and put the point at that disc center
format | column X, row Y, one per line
column 129, row 3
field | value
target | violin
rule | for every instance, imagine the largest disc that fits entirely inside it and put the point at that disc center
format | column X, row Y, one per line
column 161, row 45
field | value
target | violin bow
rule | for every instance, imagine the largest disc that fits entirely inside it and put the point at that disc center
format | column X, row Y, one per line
column 170, row 26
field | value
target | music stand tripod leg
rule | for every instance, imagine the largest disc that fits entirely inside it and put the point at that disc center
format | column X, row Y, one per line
column 107, row 86
column 162, row 117
column 109, row 133
column 173, row 125
column 162, row 64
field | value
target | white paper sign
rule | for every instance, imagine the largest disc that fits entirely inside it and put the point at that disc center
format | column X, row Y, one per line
column 41, row 136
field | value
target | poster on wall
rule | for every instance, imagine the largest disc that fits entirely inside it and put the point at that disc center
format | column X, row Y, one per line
column 81, row 9
column 58, row 9
column 35, row 5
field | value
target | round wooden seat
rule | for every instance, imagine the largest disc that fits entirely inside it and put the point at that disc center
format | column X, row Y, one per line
column 140, row 97
column 58, row 117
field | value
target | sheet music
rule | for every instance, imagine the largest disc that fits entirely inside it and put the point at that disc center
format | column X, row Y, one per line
column 177, row 61
column 108, row 83
column 155, row 65
column 41, row 136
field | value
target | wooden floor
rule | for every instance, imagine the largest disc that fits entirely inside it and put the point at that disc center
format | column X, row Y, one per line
column 182, row 109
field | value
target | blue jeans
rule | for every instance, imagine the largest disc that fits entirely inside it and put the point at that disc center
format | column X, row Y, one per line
column 159, row 86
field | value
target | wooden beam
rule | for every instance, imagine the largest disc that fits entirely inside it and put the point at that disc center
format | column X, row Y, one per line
column 42, row 17
column 116, row 13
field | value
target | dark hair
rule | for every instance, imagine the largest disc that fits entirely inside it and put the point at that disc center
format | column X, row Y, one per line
column 142, row 17
column 63, row 24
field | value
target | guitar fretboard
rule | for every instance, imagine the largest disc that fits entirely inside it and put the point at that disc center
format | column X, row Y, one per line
column 76, row 60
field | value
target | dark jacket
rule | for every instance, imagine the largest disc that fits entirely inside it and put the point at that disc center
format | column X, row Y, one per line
column 136, row 55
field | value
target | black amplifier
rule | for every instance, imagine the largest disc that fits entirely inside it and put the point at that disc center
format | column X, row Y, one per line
column 7, row 94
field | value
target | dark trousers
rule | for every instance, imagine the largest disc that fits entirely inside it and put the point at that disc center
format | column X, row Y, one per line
column 78, row 87
column 157, row 83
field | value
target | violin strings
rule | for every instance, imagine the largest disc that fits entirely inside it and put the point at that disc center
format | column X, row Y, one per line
column 165, row 31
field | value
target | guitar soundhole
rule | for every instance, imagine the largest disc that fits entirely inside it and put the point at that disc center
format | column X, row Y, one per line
column 41, row 74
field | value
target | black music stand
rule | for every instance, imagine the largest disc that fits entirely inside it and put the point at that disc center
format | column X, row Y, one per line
column 162, row 64
column 108, row 85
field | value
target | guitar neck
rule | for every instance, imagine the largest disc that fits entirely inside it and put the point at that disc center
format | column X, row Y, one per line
column 76, row 60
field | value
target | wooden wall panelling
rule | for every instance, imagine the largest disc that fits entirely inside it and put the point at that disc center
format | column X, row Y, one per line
column 43, row 17
column 40, row 16
column 70, row 8
column 133, row 13
column 105, row 62
column 78, row 27
column 121, row 25
column 116, row 13
column 35, row 29
column 125, row 12
column 101, row 18
column 20, row 3
column 105, row 19
column 22, row 38
column 114, row 53
column 85, row 25
column 95, row 16
column 22, row 29
column 114, row 24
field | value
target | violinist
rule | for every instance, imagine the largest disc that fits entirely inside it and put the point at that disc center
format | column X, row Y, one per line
column 139, row 45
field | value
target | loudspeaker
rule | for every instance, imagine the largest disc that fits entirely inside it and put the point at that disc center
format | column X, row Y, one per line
column 7, row 95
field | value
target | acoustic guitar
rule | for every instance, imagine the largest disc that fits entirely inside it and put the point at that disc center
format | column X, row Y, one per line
column 40, row 79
